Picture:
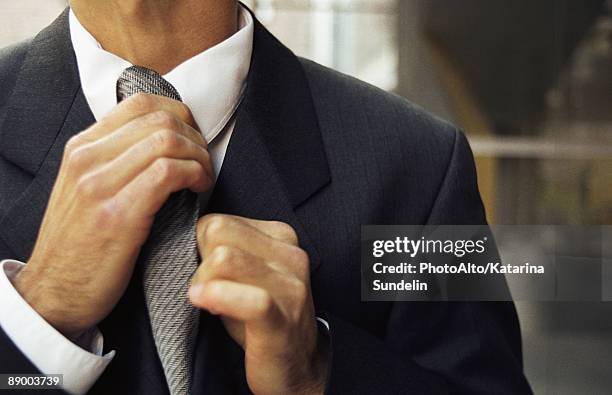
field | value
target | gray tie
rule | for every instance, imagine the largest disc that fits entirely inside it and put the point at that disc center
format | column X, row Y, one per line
column 170, row 257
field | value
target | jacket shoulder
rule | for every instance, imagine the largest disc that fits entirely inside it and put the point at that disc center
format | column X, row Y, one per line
column 11, row 59
column 380, row 140
column 341, row 94
column 355, row 112
column 12, row 56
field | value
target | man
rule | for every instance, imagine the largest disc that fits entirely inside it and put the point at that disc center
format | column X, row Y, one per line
column 288, row 160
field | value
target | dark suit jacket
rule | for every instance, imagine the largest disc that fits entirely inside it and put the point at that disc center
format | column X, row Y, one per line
column 316, row 149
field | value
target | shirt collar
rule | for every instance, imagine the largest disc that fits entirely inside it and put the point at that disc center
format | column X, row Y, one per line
column 210, row 83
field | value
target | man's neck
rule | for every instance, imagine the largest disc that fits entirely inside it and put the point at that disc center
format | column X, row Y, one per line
column 158, row 34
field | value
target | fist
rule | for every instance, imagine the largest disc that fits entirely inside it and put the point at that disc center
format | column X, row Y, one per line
column 113, row 179
column 255, row 276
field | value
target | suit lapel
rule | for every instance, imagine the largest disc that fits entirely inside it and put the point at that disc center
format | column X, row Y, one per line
column 275, row 161
column 251, row 186
column 46, row 108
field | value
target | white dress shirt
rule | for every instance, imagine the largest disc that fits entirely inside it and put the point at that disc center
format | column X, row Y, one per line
column 211, row 84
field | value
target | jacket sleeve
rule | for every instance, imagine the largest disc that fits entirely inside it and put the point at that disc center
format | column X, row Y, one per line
column 12, row 360
column 435, row 347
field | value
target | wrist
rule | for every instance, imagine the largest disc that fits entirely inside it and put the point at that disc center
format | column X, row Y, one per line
column 32, row 287
column 323, row 358
column 320, row 364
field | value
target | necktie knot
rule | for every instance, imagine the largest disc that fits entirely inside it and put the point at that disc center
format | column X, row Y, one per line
column 138, row 79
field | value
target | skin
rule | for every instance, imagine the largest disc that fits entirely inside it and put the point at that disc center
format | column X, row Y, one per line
column 158, row 34
column 117, row 174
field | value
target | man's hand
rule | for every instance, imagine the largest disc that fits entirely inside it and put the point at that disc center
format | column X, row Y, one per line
column 257, row 278
column 113, row 179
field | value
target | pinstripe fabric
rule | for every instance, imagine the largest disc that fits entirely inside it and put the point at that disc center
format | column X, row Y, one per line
column 170, row 256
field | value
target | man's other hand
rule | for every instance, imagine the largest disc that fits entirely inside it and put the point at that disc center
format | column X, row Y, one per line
column 113, row 179
column 257, row 279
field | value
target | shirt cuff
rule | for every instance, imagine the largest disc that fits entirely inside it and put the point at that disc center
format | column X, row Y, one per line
column 47, row 349
column 323, row 322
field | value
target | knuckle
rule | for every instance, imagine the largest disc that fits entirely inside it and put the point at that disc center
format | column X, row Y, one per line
column 166, row 140
column 215, row 224
column 185, row 112
column 75, row 144
column 88, row 187
column 225, row 261
column 286, row 232
column 221, row 255
column 108, row 214
column 291, row 236
column 264, row 305
column 72, row 144
column 165, row 120
column 298, row 256
column 77, row 158
column 163, row 170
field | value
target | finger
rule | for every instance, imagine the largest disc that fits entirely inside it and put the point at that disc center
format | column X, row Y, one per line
column 114, row 175
column 230, row 263
column 275, row 229
column 110, row 146
column 137, row 128
column 146, row 194
column 243, row 302
column 117, row 142
column 132, row 108
column 217, row 230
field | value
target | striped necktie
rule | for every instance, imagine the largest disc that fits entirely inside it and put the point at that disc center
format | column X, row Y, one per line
column 170, row 256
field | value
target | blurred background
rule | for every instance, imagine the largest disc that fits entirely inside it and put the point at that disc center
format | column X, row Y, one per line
column 529, row 81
